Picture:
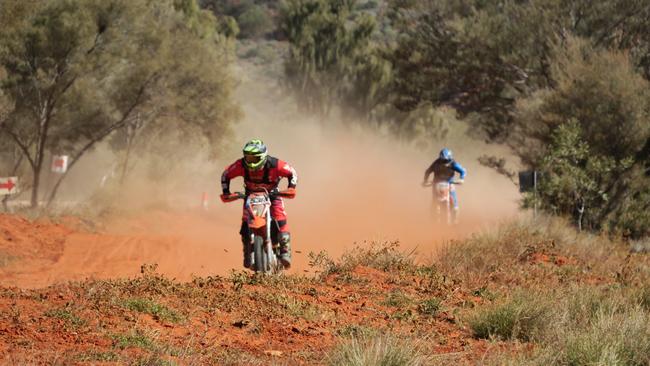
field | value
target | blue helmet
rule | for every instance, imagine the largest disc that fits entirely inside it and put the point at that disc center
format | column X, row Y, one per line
column 445, row 154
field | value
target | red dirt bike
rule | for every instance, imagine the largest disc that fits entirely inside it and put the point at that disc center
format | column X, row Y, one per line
column 258, row 205
column 443, row 205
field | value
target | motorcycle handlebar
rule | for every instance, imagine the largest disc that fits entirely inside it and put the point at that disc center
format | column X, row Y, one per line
column 430, row 184
column 272, row 195
column 232, row 197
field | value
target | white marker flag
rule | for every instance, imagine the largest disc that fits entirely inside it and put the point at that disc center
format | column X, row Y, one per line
column 59, row 163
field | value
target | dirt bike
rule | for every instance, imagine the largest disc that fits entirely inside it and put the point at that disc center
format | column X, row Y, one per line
column 443, row 203
column 264, row 255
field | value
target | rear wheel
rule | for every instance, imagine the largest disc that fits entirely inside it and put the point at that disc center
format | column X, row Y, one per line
column 261, row 259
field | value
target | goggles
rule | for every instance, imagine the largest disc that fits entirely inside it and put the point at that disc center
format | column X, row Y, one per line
column 253, row 158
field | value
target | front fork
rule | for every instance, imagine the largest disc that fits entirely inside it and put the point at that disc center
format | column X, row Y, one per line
column 268, row 245
column 444, row 210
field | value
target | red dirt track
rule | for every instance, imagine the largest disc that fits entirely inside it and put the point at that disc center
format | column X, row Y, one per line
column 184, row 245
column 44, row 253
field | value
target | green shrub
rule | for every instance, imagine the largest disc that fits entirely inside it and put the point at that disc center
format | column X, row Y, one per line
column 254, row 22
column 135, row 338
column 587, row 136
column 523, row 317
column 368, row 5
column 590, row 326
column 430, row 307
column 67, row 315
column 158, row 311
column 396, row 298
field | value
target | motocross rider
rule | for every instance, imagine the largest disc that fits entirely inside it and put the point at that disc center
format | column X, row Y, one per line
column 263, row 171
column 444, row 168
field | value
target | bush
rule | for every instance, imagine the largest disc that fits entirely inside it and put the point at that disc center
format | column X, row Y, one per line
column 384, row 256
column 430, row 307
column 588, row 326
column 254, row 22
column 396, row 299
column 523, row 317
column 156, row 310
column 66, row 314
column 378, row 351
column 135, row 338
column 368, row 5
column 612, row 338
column 586, row 136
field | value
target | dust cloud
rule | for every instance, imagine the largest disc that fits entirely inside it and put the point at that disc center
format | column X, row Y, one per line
column 354, row 186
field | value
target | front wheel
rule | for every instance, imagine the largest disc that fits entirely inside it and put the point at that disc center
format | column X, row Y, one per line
column 444, row 213
column 261, row 260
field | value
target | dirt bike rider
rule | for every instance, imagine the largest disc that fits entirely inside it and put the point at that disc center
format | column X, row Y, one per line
column 263, row 171
column 444, row 169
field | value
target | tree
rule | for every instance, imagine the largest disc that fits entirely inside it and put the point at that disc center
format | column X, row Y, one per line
column 435, row 65
column 481, row 56
column 253, row 19
column 576, row 178
column 5, row 103
column 588, row 135
column 80, row 70
column 327, row 40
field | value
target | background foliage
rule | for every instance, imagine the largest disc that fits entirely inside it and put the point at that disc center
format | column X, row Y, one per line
column 564, row 84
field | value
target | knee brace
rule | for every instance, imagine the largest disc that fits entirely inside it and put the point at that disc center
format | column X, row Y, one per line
column 284, row 238
column 454, row 199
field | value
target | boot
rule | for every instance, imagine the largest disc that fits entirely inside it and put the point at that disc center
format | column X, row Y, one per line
column 285, row 250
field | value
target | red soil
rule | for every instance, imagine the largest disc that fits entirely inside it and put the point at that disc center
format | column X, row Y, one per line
column 45, row 253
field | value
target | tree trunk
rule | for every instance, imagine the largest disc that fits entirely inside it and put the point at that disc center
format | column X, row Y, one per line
column 581, row 211
column 130, row 137
column 103, row 134
column 36, row 182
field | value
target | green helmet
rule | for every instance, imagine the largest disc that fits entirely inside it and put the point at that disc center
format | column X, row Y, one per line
column 254, row 154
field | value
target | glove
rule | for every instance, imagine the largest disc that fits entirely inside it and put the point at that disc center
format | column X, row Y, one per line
column 288, row 193
column 228, row 197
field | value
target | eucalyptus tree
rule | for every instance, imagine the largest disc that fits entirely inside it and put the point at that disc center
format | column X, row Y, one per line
column 327, row 41
column 79, row 70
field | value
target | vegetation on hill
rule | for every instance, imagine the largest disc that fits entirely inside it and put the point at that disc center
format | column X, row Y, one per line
column 563, row 84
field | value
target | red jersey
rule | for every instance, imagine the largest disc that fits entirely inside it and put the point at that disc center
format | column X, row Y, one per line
column 268, row 177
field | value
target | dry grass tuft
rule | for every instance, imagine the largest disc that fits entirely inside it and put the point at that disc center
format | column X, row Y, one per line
column 377, row 351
